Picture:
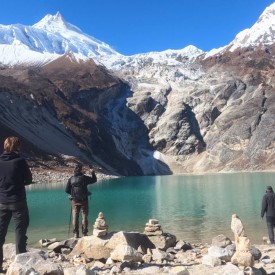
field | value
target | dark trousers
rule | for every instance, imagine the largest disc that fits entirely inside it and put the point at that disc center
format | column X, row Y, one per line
column 20, row 214
column 76, row 208
column 270, row 221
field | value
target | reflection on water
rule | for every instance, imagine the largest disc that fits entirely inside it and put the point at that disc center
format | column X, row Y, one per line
column 194, row 208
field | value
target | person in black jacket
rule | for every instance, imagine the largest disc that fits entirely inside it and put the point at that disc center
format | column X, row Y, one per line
column 268, row 209
column 14, row 175
column 77, row 189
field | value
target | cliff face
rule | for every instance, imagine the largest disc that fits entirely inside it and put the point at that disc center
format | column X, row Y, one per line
column 209, row 114
column 240, row 136
column 67, row 109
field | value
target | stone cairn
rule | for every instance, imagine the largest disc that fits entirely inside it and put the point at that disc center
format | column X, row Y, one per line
column 153, row 228
column 100, row 226
column 242, row 256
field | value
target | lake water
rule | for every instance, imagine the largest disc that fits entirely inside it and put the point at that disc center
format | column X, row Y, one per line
column 193, row 207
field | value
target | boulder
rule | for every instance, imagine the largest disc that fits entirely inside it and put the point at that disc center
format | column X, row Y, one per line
column 159, row 255
column 127, row 253
column 225, row 254
column 211, row 260
column 36, row 262
column 221, row 241
column 163, row 241
column 70, row 242
column 101, row 247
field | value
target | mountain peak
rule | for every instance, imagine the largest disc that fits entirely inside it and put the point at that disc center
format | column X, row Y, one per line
column 55, row 23
column 261, row 33
column 267, row 17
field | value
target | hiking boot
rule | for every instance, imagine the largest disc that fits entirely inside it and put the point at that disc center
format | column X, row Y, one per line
column 85, row 234
column 76, row 235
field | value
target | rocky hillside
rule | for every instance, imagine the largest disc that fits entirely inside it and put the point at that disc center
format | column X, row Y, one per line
column 210, row 111
column 66, row 110
column 72, row 97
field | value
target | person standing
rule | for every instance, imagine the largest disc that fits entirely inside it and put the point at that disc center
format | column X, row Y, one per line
column 268, row 209
column 15, row 174
column 77, row 189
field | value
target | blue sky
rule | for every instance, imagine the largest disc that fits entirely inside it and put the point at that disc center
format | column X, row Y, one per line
column 138, row 26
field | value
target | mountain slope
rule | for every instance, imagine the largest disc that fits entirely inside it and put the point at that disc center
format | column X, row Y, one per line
column 206, row 111
column 154, row 113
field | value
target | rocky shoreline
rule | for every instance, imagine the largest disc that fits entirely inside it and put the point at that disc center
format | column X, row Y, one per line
column 60, row 175
column 150, row 252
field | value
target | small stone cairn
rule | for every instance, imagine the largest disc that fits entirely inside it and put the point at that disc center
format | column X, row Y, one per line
column 153, row 228
column 100, row 226
column 243, row 256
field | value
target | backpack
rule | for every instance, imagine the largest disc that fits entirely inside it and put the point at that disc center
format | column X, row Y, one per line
column 79, row 191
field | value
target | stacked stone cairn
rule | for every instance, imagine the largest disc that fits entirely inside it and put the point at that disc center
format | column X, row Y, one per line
column 243, row 255
column 100, row 226
column 153, row 228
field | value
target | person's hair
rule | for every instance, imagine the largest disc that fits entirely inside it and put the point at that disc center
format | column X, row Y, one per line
column 269, row 189
column 12, row 144
column 78, row 169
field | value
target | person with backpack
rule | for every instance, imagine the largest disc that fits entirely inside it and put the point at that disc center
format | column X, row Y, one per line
column 78, row 193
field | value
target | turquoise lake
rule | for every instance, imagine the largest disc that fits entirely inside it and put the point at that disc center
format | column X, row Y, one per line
column 195, row 208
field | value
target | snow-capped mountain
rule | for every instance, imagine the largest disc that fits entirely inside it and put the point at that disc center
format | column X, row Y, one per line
column 175, row 110
column 53, row 36
column 47, row 40
column 260, row 34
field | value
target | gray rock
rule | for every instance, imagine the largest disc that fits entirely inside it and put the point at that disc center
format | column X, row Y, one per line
column 9, row 251
column 257, row 254
column 183, row 245
column 211, row 261
column 266, row 260
column 66, row 251
column 223, row 253
column 172, row 250
column 159, row 255
column 46, row 242
column 99, row 232
column 37, row 261
column 70, row 243
column 147, row 258
column 164, row 241
column 221, row 241
column 124, row 252
column 97, row 248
